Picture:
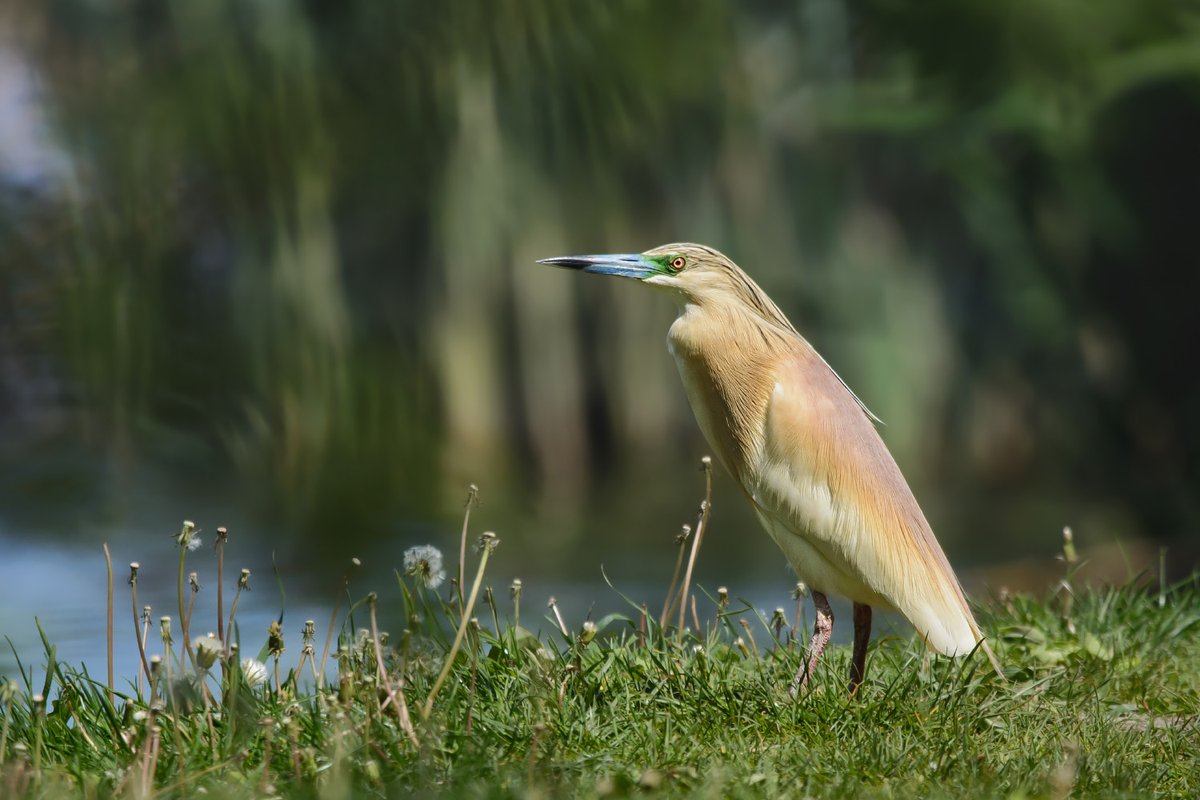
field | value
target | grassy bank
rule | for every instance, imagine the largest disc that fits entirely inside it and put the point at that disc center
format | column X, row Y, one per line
column 1102, row 699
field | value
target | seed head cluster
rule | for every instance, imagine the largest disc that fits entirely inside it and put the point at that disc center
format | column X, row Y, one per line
column 189, row 536
column 424, row 563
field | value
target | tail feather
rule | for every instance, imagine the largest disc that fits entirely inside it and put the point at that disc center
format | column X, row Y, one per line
column 987, row 651
column 952, row 629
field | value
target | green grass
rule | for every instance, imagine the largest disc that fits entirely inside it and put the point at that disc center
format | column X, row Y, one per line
column 1102, row 699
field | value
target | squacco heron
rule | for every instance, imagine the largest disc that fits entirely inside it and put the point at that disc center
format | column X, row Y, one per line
column 805, row 452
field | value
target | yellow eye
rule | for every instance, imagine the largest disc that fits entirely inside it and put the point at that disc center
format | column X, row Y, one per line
column 678, row 262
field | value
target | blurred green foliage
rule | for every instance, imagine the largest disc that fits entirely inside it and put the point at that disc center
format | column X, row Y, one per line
column 292, row 244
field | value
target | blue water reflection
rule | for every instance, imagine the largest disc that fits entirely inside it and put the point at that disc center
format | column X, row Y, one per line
column 63, row 587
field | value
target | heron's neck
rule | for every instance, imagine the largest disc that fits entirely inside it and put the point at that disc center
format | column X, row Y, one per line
column 727, row 358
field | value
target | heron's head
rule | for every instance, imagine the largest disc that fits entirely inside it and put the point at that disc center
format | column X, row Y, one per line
column 692, row 272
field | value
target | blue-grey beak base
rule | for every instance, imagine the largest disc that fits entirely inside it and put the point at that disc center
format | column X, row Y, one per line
column 625, row 265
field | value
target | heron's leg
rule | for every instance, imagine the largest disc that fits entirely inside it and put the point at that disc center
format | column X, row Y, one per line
column 862, row 635
column 822, row 630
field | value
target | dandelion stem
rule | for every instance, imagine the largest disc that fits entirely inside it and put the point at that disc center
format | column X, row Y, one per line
column 749, row 635
column 354, row 562
column 395, row 695
column 243, row 583
column 146, row 636
column 427, row 709
column 264, row 775
column 187, row 620
column 490, row 597
column 232, row 611
column 164, row 631
column 516, row 590
column 474, row 645
column 182, row 615
column 137, row 627
column 39, row 719
column 150, row 766
column 222, row 535
column 701, row 524
column 668, row 604
column 472, row 499
column 108, row 623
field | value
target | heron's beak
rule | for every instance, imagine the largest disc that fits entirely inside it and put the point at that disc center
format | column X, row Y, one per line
column 625, row 265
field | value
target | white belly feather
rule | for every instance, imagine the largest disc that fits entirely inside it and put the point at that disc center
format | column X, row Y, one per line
column 805, row 540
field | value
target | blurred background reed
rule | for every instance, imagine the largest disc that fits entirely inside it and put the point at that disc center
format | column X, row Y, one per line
column 269, row 264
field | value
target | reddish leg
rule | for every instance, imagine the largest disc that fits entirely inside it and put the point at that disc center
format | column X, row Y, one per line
column 822, row 630
column 862, row 635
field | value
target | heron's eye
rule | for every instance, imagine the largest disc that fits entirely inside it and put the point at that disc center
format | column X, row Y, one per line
column 678, row 263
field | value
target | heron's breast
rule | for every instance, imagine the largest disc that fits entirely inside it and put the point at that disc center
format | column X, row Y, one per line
column 711, row 410
column 726, row 385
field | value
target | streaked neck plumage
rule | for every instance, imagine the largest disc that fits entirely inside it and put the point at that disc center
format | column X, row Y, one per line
column 727, row 354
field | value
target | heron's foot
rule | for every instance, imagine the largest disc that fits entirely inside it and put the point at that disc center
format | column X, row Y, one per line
column 800, row 682
column 822, row 630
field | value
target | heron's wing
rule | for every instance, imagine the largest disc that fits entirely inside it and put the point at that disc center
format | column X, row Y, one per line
column 825, row 475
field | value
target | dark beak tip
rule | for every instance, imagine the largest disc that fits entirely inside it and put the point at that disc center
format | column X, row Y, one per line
column 621, row 265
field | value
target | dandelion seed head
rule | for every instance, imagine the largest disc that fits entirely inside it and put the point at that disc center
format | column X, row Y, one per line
column 424, row 563
column 208, row 650
column 188, row 536
column 254, row 672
